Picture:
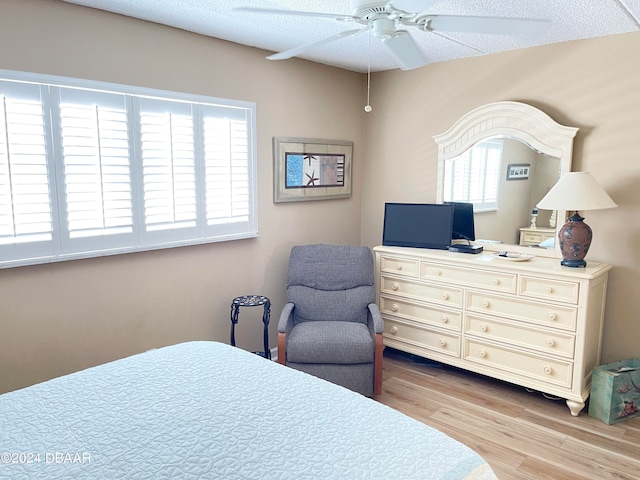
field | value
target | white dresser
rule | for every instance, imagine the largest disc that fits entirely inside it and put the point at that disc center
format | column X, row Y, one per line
column 533, row 323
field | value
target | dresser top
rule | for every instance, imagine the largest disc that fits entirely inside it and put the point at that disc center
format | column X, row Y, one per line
column 490, row 260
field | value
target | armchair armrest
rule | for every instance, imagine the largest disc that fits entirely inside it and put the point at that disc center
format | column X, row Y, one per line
column 374, row 322
column 285, row 324
column 374, row 318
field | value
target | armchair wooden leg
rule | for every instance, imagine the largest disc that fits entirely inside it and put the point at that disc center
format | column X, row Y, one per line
column 377, row 365
column 282, row 348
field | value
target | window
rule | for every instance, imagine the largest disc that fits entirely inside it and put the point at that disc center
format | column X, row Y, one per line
column 473, row 177
column 89, row 169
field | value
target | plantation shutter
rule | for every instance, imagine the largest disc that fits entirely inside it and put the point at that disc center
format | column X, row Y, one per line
column 492, row 173
column 474, row 176
column 457, row 180
column 93, row 143
column 25, row 192
column 168, row 169
column 90, row 169
column 227, row 169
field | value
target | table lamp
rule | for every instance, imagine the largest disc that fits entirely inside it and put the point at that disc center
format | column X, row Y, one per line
column 575, row 191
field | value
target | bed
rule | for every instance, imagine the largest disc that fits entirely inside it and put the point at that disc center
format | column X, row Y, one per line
column 205, row 410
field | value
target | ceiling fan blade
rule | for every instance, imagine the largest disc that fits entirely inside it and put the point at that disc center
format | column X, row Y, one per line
column 497, row 25
column 335, row 16
column 303, row 48
column 405, row 51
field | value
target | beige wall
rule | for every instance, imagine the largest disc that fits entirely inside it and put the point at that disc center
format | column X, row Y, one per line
column 67, row 316
column 591, row 84
column 63, row 317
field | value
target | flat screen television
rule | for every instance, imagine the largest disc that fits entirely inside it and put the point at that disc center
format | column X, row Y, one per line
column 463, row 225
column 420, row 225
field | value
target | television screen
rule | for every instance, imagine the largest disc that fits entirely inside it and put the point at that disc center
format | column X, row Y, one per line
column 421, row 225
column 463, row 225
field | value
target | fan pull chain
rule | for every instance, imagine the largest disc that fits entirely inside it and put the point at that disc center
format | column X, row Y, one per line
column 367, row 107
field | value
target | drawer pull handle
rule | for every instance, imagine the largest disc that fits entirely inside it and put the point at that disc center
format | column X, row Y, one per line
column 548, row 370
column 483, row 327
column 394, row 307
column 485, row 303
column 550, row 342
column 438, row 272
column 445, row 296
column 496, row 281
column 483, row 352
column 399, row 267
column 548, row 290
column 443, row 342
column 444, row 319
column 394, row 329
column 394, row 286
column 552, row 316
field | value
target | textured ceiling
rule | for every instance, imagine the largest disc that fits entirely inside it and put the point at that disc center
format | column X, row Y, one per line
column 569, row 20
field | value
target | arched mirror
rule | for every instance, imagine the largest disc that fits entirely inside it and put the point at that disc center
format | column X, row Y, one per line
column 522, row 154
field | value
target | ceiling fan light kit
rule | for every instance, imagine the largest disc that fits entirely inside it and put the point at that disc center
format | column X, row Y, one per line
column 383, row 27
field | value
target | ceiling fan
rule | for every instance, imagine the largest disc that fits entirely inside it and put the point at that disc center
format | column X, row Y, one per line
column 386, row 19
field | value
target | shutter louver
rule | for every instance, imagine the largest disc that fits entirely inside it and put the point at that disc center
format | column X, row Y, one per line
column 25, row 203
column 97, row 173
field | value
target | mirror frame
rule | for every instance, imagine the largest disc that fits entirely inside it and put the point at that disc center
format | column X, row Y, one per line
column 514, row 120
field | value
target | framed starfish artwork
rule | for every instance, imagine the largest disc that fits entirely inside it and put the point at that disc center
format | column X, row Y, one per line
column 311, row 169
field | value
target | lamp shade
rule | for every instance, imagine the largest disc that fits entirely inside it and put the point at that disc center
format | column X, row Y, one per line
column 576, row 191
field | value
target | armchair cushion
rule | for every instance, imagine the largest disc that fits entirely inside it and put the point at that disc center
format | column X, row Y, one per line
column 330, row 342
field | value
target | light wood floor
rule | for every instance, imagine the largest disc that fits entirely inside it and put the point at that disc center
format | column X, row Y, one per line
column 521, row 434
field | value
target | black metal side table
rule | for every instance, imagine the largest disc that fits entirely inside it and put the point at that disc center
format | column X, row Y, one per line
column 252, row 301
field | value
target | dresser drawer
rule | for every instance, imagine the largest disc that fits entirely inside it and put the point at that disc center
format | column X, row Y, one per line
column 399, row 266
column 496, row 281
column 533, row 238
column 422, row 337
column 421, row 313
column 441, row 294
column 548, row 289
column 538, row 313
column 544, row 341
column 549, row 370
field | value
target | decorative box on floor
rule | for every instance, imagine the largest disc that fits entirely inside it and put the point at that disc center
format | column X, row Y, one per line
column 615, row 391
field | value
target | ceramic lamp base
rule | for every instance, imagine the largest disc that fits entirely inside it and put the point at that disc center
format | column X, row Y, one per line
column 573, row 263
column 575, row 239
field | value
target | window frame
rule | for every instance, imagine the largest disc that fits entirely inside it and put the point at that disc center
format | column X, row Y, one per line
column 203, row 108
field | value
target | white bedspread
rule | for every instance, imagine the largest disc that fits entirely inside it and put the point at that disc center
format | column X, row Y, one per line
column 204, row 410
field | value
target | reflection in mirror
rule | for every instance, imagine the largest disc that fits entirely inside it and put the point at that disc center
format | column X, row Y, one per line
column 534, row 152
column 503, row 206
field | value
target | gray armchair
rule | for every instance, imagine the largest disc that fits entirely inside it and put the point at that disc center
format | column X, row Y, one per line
column 331, row 326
